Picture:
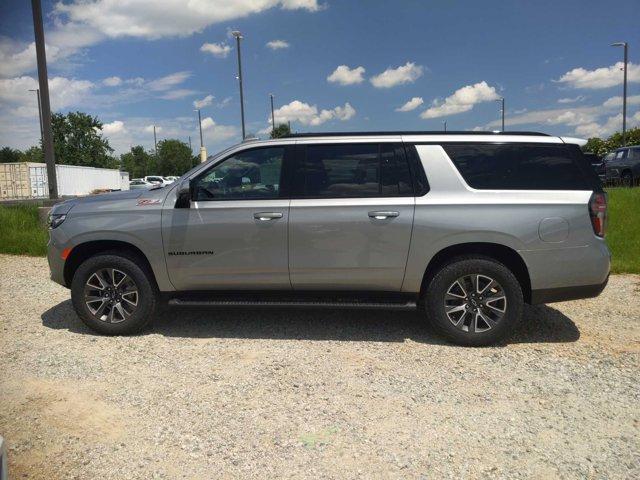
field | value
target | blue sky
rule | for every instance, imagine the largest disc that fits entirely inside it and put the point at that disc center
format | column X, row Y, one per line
column 139, row 63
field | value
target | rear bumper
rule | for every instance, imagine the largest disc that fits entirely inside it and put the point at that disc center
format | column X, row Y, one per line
column 562, row 294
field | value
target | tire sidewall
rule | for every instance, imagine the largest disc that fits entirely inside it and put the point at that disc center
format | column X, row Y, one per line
column 439, row 285
column 146, row 294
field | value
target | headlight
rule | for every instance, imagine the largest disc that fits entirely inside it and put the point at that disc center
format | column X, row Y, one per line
column 55, row 220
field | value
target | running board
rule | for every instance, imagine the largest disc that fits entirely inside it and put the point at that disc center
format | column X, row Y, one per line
column 409, row 305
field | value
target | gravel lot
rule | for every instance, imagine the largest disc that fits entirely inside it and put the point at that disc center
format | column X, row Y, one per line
column 339, row 394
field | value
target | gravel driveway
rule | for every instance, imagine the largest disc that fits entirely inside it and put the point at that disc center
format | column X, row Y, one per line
column 339, row 394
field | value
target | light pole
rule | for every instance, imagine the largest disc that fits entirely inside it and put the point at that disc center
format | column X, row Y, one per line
column 155, row 141
column 203, row 151
column 37, row 90
column 501, row 100
column 624, row 91
column 239, row 37
column 43, row 82
column 273, row 117
column 445, row 125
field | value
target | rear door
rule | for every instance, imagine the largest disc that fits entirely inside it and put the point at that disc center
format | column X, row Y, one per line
column 234, row 235
column 351, row 216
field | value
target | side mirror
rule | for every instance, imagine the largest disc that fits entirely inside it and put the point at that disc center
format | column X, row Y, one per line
column 183, row 195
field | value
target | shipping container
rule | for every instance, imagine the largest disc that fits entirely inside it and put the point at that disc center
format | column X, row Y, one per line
column 29, row 180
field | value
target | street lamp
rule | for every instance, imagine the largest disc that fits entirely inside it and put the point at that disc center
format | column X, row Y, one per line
column 273, row 117
column 37, row 90
column 501, row 100
column 624, row 91
column 203, row 151
column 239, row 37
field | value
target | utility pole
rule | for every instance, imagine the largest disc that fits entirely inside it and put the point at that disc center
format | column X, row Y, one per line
column 203, row 151
column 190, row 147
column 43, row 81
column 445, row 125
column 37, row 90
column 273, row 117
column 239, row 37
column 624, row 91
column 501, row 100
column 155, row 141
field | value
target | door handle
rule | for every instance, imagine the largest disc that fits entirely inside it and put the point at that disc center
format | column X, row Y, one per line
column 265, row 216
column 383, row 215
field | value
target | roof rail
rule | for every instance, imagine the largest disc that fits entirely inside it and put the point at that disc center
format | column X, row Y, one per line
column 432, row 132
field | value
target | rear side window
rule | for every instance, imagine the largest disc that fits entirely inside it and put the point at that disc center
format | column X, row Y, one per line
column 519, row 166
column 352, row 171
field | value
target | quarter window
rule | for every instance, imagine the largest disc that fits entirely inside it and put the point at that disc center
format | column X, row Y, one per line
column 248, row 175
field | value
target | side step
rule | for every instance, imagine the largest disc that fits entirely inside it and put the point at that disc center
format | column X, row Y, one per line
column 201, row 299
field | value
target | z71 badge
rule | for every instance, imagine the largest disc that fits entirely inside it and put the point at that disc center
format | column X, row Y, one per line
column 148, row 201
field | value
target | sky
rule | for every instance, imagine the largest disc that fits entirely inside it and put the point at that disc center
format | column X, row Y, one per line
column 332, row 65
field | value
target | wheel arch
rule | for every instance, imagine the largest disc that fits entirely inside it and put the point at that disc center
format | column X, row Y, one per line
column 505, row 255
column 88, row 249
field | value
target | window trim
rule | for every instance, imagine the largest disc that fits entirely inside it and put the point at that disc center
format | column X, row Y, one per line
column 298, row 166
column 282, row 193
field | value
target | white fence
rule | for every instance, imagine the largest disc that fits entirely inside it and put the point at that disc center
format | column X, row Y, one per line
column 29, row 180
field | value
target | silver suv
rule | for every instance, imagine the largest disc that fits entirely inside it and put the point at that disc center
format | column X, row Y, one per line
column 464, row 227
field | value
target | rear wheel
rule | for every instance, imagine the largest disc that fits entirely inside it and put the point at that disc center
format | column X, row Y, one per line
column 627, row 179
column 113, row 295
column 474, row 301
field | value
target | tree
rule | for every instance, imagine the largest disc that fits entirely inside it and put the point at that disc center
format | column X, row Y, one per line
column 78, row 140
column 602, row 147
column 281, row 130
column 174, row 157
column 138, row 162
column 33, row 154
column 9, row 155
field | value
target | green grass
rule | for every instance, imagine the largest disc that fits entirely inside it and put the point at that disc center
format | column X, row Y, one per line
column 22, row 234
column 623, row 232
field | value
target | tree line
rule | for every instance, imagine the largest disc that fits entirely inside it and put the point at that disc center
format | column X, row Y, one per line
column 602, row 147
column 78, row 140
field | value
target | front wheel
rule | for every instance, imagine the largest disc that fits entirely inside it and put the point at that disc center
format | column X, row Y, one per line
column 474, row 301
column 112, row 295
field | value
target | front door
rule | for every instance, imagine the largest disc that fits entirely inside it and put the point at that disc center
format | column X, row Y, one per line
column 234, row 235
column 351, row 218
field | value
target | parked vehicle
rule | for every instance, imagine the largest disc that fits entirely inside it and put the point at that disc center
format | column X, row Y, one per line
column 139, row 183
column 624, row 166
column 597, row 163
column 156, row 180
column 465, row 227
column 170, row 179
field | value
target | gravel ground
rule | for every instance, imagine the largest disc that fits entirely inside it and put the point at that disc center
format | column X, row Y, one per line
column 339, row 394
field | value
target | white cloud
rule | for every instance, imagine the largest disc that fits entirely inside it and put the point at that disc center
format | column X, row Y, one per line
column 346, row 76
column 579, row 98
column 407, row 73
column 149, row 129
column 220, row 50
column 603, row 77
column 112, row 81
column 169, row 81
column 177, row 94
column 572, row 118
column 113, row 128
column 278, row 44
column 617, row 101
column 412, row 104
column 462, row 100
column 218, row 133
column 64, row 92
column 306, row 114
column 205, row 102
column 17, row 58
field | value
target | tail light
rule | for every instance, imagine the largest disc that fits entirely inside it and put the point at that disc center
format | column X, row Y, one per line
column 598, row 213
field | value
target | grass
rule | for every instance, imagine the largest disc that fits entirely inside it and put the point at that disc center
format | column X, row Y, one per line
column 623, row 233
column 22, row 234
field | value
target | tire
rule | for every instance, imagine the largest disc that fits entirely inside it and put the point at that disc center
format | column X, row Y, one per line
column 627, row 179
column 486, row 324
column 135, row 310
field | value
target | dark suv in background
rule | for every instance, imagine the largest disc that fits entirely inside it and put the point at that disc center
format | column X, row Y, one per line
column 623, row 166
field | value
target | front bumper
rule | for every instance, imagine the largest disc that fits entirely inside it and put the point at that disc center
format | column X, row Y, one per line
column 55, row 260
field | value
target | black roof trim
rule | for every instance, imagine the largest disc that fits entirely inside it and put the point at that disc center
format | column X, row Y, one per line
column 414, row 132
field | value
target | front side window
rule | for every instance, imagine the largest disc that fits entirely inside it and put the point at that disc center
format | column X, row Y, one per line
column 353, row 171
column 248, row 175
